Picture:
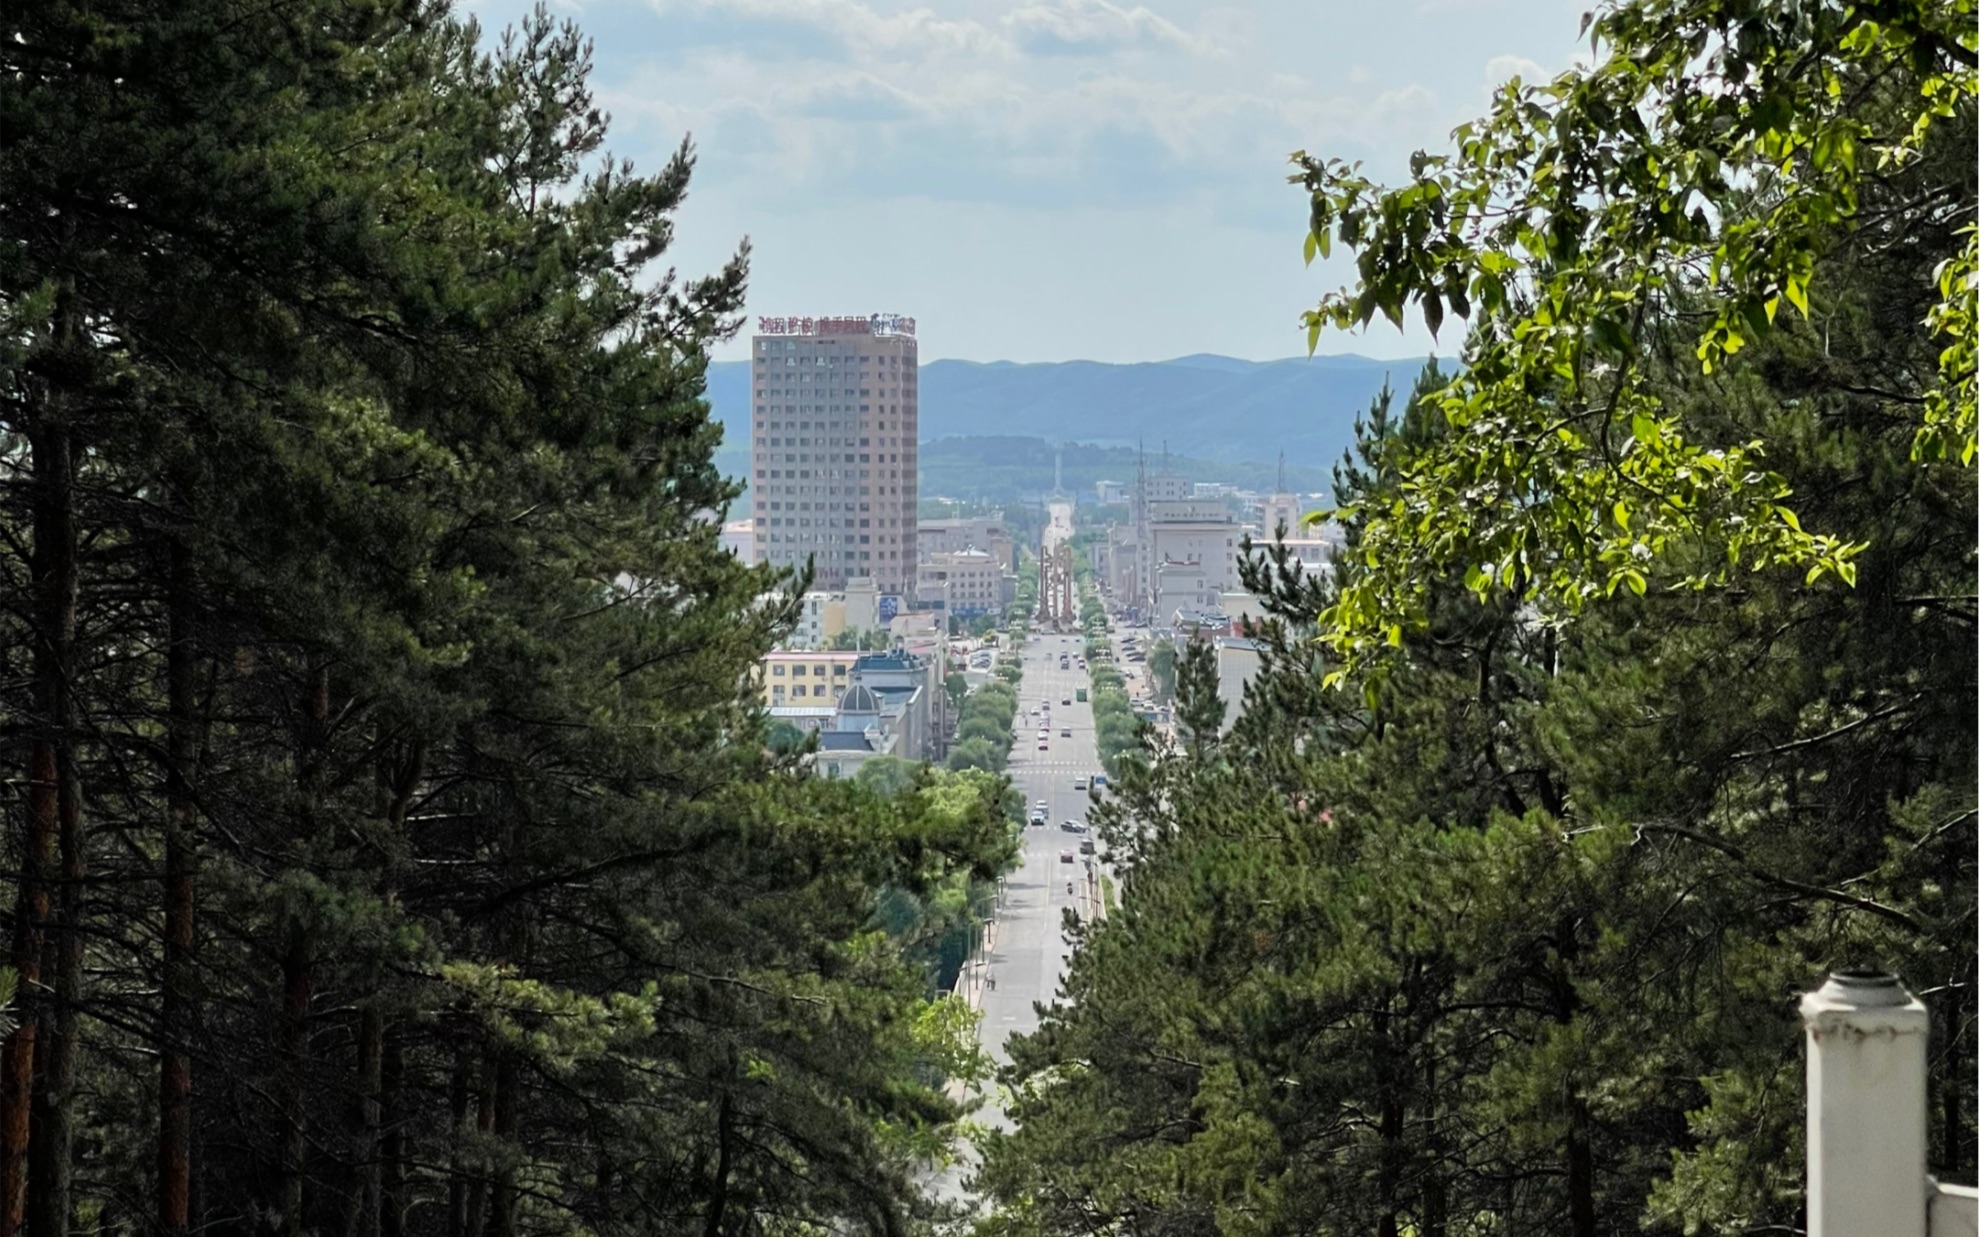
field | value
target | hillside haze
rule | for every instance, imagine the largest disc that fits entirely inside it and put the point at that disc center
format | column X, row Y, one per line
column 1212, row 409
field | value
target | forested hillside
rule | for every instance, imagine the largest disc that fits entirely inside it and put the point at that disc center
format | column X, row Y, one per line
column 1218, row 409
column 392, row 843
column 1642, row 696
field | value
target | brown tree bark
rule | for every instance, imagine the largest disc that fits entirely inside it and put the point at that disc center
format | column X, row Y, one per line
column 44, row 1039
column 51, row 1169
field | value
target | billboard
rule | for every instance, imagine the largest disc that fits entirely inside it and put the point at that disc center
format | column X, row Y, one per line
column 871, row 324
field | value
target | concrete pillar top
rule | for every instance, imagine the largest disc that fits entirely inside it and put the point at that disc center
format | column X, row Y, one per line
column 1863, row 1000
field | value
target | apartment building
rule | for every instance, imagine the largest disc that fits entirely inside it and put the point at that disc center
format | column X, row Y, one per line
column 834, row 466
column 806, row 678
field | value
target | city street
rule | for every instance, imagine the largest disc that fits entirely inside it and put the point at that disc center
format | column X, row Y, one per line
column 1029, row 953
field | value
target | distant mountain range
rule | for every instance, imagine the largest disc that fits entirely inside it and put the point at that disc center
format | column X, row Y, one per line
column 1215, row 410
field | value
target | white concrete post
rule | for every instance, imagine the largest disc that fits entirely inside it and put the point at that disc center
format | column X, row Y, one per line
column 1865, row 1107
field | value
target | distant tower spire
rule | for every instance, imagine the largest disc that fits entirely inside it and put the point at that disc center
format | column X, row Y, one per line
column 1281, row 472
column 1058, row 472
column 1164, row 457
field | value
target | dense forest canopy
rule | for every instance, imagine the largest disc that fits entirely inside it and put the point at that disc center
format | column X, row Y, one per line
column 397, row 845
column 1642, row 695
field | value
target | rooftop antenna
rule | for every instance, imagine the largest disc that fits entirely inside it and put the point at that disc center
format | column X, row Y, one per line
column 1281, row 472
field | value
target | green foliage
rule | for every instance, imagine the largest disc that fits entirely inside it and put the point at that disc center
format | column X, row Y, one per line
column 1505, row 939
column 985, row 726
column 889, row 776
column 355, row 428
column 859, row 640
column 1700, row 170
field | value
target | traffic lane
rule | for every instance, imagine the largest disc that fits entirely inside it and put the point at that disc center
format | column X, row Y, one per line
column 1028, row 960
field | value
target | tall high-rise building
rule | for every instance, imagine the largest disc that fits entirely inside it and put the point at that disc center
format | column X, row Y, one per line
column 835, row 456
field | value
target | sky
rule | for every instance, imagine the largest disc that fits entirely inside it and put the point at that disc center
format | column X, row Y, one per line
column 1044, row 180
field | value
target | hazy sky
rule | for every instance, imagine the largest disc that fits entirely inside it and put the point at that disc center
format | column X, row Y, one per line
column 1039, row 180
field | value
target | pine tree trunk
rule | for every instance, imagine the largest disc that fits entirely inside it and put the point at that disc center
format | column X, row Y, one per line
column 391, row 1191
column 1580, row 1171
column 724, row 1131
column 30, row 935
column 176, row 1017
column 44, row 1040
column 484, row 1123
column 1389, row 1102
column 457, row 1190
column 501, row 1218
column 51, row 1171
column 366, row 1199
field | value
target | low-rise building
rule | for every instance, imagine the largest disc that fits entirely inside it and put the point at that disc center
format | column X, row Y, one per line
column 905, row 687
column 808, row 678
column 821, row 620
column 987, row 533
column 1190, row 556
column 965, row 582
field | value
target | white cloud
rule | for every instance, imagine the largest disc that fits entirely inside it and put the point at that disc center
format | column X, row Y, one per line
column 1096, row 128
column 859, row 29
column 1058, row 26
column 1501, row 69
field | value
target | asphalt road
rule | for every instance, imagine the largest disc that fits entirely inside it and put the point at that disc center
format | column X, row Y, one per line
column 1027, row 956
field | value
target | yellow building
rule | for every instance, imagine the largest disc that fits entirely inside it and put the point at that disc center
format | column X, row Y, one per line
column 805, row 678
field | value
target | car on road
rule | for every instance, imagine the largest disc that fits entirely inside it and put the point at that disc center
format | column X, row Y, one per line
column 1074, row 826
column 1086, row 847
column 1038, row 820
column 1066, row 856
column 1043, row 745
column 1078, row 783
column 1067, row 700
column 1065, row 733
